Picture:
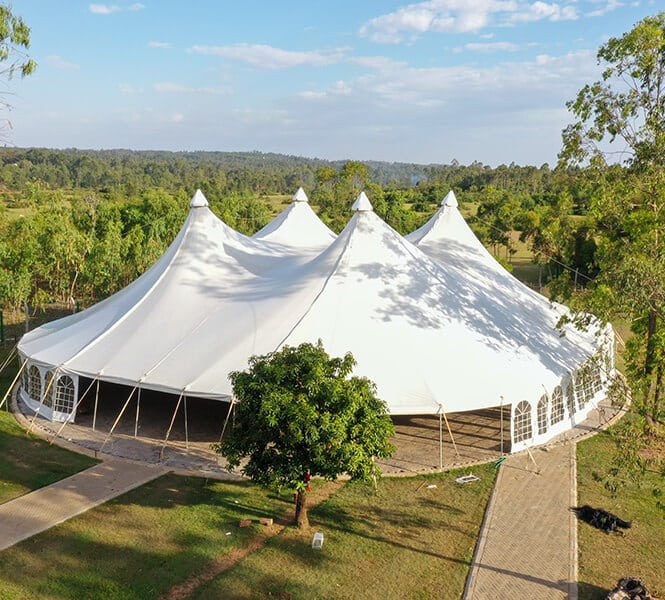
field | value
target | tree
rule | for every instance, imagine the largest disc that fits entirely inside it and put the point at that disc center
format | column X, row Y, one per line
column 14, row 39
column 300, row 414
column 623, row 117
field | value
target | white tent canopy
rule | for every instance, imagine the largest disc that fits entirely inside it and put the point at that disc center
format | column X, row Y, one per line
column 298, row 226
column 450, row 332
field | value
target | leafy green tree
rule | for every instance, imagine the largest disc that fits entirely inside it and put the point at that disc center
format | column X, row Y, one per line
column 14, row 40
column 300, row 414
column 622, row 116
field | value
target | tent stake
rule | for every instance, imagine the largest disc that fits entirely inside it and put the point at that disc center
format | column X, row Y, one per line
column 122, row 412
column 168, row 433
column 94, row 414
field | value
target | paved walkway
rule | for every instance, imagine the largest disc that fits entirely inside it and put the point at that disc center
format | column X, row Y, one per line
column 528, row 543
column 37, row 511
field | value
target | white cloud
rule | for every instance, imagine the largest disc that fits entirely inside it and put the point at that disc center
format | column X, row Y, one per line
column 103, row 9
column 175, row 88
column 128, row 89
column 492, row 47
column 159, row 45
column 268, row 57
column 108, row 9
column 442, row 16
column 543, row 10
column 378, row 63
column 607, row 6
column 59, row 63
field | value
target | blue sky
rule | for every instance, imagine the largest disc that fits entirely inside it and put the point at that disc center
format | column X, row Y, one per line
column 424, row 82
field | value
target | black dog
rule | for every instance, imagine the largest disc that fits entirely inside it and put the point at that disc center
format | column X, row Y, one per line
column 599, row 518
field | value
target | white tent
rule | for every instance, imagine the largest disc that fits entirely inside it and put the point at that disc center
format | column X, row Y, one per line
column 448, row 239
column 431, row 336
column 297, row 226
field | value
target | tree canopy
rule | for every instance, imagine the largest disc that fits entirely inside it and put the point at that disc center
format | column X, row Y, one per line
column 301, row 414
column 622, row 118
column 14, row 40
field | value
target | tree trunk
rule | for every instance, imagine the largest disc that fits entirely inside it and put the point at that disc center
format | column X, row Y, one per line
column 650, row 363
column 301, row 510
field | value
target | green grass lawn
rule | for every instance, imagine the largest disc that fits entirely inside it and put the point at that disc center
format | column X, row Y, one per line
column 28, row 462
column 406, row 542
column 604, row 559
column 138, row 545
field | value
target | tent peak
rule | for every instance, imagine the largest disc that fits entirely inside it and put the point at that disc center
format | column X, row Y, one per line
column 449, row 200
column 300, row 196
column 362, row 203
column 198, row 200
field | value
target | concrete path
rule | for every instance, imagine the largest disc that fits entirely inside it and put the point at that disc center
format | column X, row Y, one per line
column 528, row 543
column 37, row 511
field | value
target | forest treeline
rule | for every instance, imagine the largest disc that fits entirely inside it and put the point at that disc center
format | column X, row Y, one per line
column 78, row 225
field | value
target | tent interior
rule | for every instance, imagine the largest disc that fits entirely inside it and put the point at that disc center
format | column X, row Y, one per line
column 160, row 427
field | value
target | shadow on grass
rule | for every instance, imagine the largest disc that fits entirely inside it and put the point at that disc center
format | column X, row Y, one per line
column 588, row 591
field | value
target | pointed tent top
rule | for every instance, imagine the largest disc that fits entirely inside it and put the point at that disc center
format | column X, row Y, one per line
column 198, row 200
column 362, row 203
column 449, row 200
column 300, row 196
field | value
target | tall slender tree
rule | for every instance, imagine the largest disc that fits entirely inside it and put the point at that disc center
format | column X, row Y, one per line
column 619, row 139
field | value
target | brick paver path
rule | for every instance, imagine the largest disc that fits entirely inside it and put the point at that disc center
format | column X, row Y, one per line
column 528, row 544
column 37, row 511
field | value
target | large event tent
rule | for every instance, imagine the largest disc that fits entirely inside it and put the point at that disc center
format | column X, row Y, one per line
column 434, row 334
column 297, row 226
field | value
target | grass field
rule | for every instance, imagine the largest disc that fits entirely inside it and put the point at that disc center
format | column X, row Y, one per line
column 604, row 559
column 408, row 540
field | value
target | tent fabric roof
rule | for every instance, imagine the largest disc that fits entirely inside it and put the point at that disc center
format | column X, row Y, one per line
column 428, row 333
column 297, row 226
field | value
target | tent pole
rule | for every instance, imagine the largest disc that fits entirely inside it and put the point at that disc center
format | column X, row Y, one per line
column 9, row 358
column 138, row 406
column 57, row 433
column 186, row 431
column 501, row 418
column 9, row 389
column 94, row 414
column 122, row 412
column 450, row 432
column 168, row 433
column 226, row 420
column 440, row 411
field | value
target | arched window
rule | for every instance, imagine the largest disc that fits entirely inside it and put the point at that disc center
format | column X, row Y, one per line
column 64, row 395
column 557, row 405
column 34, row 383
column 570, row 397
column 48, row 389
column 523, row 430
column 25, row 379
column 580, row 385
column 541, row 412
